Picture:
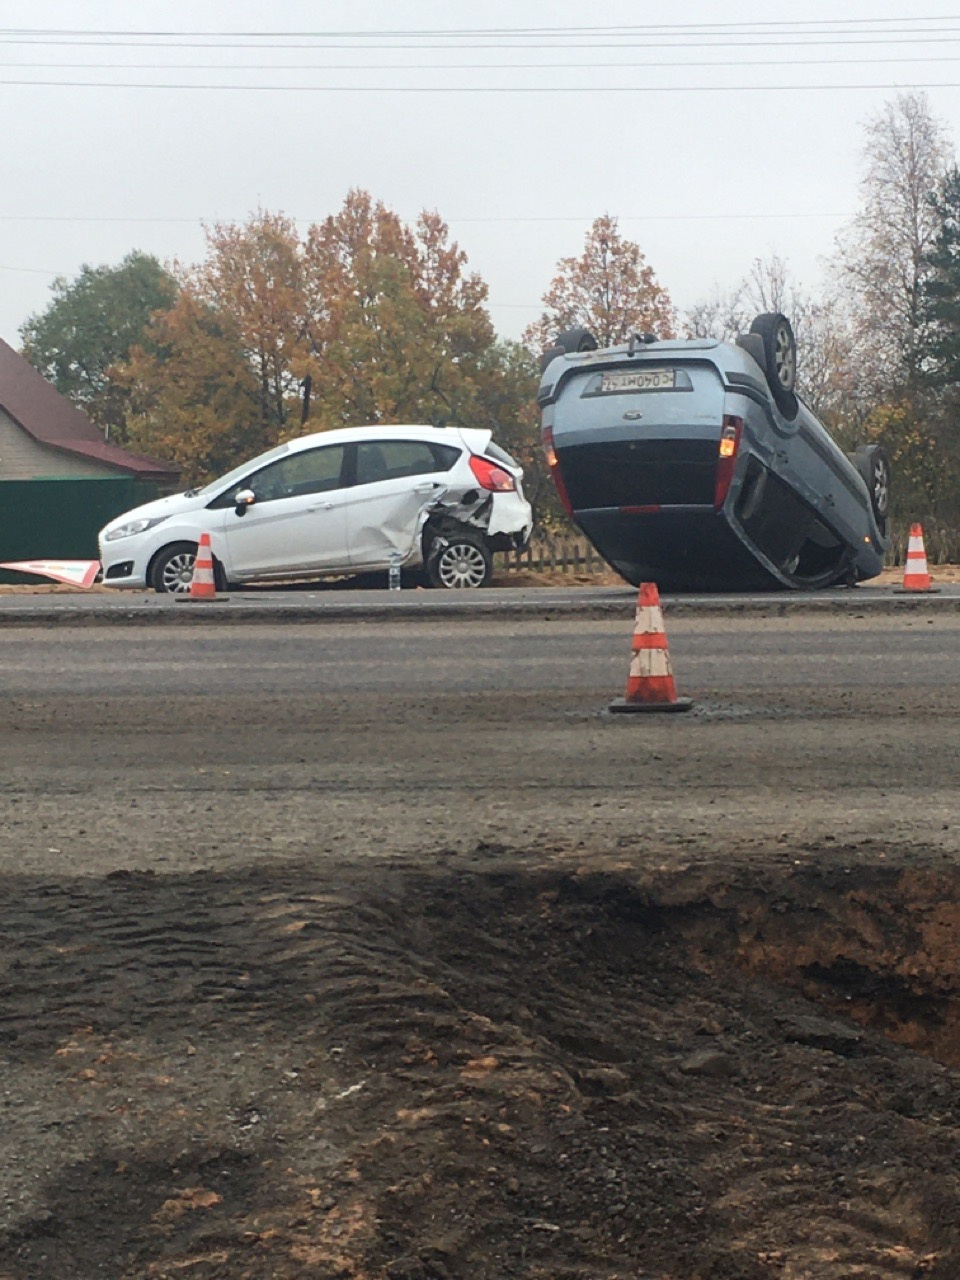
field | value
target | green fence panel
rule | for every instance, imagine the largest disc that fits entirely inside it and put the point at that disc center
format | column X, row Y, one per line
column 60, row 519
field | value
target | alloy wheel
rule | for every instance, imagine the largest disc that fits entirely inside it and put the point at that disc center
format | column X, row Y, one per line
column 178, row 572
column 881, row 487
column 461, row 565
column 785, row 357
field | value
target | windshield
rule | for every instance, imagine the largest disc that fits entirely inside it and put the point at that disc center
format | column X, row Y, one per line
column 224, row 482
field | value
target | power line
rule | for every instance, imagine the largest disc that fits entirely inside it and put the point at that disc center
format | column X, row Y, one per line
column 32, row 271
column 482, row 89
column 577, row 31
column 513, row 221
column 659, row 217
column 462, row 66
column 910, row 36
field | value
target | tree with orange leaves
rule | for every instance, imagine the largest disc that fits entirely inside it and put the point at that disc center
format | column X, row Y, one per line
column 253, row 274
column 398, row 327
column 193, row 397
column 218, row 377
column 384, row 318
column 609, row 290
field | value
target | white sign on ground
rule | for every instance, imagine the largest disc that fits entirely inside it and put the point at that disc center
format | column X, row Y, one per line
column 78, row 573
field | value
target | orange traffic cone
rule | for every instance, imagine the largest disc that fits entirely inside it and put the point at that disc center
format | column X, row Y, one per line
column 650, row 684
column 916, row 575
column 203, row 584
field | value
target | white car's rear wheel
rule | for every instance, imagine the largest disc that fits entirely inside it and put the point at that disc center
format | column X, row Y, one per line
column 463, row 564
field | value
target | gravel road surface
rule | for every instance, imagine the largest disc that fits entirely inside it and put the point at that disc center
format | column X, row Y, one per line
column 368, row 952
column 284, row 740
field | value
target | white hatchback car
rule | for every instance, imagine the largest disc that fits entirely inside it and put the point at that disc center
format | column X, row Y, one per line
column 348, row 501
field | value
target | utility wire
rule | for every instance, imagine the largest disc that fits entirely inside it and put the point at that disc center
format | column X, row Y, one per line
column 482, row 89
column 462, row 66
column 466, row 32
column 911, row 36
column 32, row 271
column 640, row 217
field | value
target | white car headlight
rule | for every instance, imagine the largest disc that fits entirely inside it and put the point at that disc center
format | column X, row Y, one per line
column 131, row 527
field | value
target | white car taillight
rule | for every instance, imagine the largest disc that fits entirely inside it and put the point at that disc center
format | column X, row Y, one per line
column 491, row 477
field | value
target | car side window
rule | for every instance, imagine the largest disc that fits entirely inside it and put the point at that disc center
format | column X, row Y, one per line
column 446, row 455
column 297, row 474
column 313, row 471
column 396, row 459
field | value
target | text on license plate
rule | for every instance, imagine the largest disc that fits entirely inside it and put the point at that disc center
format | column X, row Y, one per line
column 639, row 380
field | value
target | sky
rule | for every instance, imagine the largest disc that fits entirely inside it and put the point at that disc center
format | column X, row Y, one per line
column 714, row 141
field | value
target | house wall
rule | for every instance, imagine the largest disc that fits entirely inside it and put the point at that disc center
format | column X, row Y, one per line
column 23, row 458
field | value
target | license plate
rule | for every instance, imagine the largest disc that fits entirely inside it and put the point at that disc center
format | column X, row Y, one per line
column 639, row 380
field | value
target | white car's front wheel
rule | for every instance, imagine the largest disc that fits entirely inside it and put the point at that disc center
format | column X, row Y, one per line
column 172, row 571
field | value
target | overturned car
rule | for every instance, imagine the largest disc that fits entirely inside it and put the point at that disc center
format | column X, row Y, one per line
column 437, row 500
column 695, row 464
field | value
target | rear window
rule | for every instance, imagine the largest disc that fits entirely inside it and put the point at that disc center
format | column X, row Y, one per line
column 395, row 459
column 445, row 455
column 627, row 473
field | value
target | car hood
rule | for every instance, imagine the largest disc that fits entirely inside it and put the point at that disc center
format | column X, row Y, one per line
column 172, row 505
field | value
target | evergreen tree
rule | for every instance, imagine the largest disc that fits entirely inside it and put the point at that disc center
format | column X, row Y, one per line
column 941, row 292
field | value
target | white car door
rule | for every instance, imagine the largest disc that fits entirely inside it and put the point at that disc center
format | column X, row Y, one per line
column 396, row 479
column 298, row 520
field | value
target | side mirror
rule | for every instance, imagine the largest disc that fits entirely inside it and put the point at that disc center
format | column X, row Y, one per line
column 245, row 498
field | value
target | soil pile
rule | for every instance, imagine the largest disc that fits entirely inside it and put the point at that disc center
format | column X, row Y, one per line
column 472, row 1068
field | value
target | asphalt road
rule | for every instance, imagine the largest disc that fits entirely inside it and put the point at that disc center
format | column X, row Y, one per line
column 506, row 657
column 209, row 747
column 318, row 603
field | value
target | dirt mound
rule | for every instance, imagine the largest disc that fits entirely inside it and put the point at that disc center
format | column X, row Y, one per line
column 478, row 1070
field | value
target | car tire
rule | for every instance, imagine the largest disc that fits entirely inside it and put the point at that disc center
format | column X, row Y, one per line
column 459, row 561
column 172, row 569
column 547, row 357
column 874, row 467
column 569, row 342
column 575, row 340
column 779, row 359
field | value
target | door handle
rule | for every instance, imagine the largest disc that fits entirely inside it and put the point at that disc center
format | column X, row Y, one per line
column 322, row 506
column 424, row 488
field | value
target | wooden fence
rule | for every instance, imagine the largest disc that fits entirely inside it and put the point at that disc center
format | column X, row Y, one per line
column 548, row 553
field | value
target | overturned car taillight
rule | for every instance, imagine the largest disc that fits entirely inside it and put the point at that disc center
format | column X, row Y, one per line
column 553, row 463
column 490, row 476
column 727, row 461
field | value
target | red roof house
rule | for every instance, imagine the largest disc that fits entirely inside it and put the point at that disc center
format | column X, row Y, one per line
column 60, row 482
column 45, row 437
